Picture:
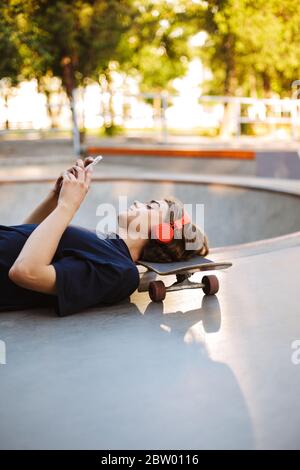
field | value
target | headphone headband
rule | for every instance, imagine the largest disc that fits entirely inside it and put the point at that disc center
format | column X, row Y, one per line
column 181, row 222
column 165, row 232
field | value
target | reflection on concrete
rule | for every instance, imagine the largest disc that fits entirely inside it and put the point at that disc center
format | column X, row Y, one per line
column 180, row 323
column 116, row 379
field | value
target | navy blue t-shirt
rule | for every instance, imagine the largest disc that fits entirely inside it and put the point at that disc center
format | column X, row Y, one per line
column 90, row 270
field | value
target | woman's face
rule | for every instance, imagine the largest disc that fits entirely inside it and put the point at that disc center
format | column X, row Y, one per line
column 147, row 214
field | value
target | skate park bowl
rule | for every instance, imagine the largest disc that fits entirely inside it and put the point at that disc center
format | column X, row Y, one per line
column 192, row 372
column 235, row 211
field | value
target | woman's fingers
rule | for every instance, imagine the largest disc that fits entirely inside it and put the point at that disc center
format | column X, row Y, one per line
column 80, row 163
column 72, row 177
column 74, row 189
column 75, row 170
column 88, row 160
column 88, row 177
column 78, row 176
column 80, row 173
column 67, row 176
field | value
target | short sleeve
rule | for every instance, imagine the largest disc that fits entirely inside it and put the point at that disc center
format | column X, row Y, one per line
column 81, row 284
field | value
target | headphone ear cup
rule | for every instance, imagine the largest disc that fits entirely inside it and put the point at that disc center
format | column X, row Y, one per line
column 164, row 233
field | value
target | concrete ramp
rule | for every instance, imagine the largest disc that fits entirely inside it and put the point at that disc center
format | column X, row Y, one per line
column 194, row 372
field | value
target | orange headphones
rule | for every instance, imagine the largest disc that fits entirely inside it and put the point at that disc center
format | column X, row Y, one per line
column 164, row 232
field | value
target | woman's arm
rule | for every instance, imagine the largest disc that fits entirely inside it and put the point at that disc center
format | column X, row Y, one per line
column 32, row 269
column 43, row 209
column 50, row 202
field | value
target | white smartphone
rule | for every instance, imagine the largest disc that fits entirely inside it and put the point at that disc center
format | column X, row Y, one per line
column 94, row 162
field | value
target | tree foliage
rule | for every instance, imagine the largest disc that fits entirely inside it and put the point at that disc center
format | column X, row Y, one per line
column 155, row 48
column 10, row 63
column 252, row 48
column 78, row 37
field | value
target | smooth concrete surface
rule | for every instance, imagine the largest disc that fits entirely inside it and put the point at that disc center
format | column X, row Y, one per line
column 185, row 165
column 190, row 373
column 278, row 164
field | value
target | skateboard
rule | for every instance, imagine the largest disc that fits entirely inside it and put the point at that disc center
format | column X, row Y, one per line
column 183, row 271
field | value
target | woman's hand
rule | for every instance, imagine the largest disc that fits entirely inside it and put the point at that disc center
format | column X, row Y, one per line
column 57, row 186
column 49, row 204
column 33, row 268
column 74, row 188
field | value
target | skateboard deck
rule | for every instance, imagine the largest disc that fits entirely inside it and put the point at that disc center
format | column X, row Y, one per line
column 197, row 263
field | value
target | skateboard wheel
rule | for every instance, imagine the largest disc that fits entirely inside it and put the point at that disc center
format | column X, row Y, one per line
column 211, row 285
column 157, row 291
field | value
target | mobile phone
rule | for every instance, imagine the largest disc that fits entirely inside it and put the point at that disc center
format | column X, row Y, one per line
column 94, row 162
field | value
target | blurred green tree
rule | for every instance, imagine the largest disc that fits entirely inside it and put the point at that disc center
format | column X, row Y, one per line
column 10, row 62
column 155, row 49
column 74, row 41
column 252, row 48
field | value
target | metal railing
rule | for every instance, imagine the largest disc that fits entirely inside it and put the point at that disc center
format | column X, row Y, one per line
column 276, row 106
column 267, row 111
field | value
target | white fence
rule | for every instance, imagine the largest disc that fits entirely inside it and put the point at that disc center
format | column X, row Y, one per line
column 165, row 112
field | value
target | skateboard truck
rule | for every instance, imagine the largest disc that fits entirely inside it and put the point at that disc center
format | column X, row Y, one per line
column 183, row 271
column 158, row 290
